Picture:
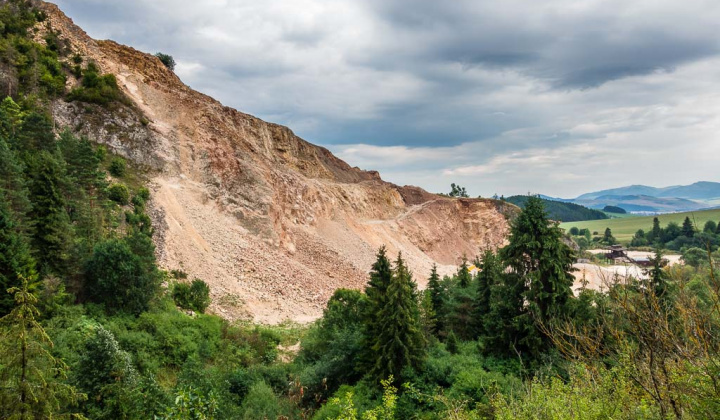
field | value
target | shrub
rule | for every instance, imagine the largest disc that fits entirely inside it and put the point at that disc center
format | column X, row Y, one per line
column 194, row 296
column 118, row 278
column 143, row 193
column 261, row 402
column 96, row 88
column 117, row 167
column 119, row 193
column 167, row 60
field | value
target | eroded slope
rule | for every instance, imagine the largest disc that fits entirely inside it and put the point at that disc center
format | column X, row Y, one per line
column 273, row 223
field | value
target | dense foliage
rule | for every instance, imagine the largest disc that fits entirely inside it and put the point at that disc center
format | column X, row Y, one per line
column 91, row 327
column 561, row 211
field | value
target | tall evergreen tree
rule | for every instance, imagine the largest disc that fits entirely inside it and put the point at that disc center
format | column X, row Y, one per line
column 10, row 118
column 537, row 254
column 32, row 380
column 52, row 231
column 15, row 260
column 688, row 229
column 437, row 297
column 491, row 271
column 656, row 233
column 36, row 133
column 463, row 274
column 399, row 342
column 376, row 291
column 13, row 183
column 658, row 278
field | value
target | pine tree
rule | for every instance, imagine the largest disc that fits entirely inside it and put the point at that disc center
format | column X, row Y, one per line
column 399, row 343
column 376, row 291
column 509, row 329
column 688, row 229
column 463, row 274
column 31, row 379
column 656, row 233
column 52, row 232
column 15, row 260
column 490, row 273
column 437, row 297
column 451, row 344
column 537, row 254
column 36, row 133
column 13, row 183
column 608, row 237
column 658, row 278
column 10, row 118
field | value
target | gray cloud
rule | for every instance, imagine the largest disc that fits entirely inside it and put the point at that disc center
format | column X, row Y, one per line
column 506, row 97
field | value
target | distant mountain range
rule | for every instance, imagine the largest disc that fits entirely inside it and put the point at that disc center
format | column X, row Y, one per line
column 703, row 191
column 646, row 199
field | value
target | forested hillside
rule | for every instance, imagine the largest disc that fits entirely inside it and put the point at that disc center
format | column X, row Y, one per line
column 561, row 211
column 91, row 327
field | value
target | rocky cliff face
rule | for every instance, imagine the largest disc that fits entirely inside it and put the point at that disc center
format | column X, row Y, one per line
column 273, row 223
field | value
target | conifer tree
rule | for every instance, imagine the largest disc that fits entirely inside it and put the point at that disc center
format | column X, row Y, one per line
column 10, row 118
column 537, row 254
column 688, row 229
column 52, row 231
column 376, row 292
column 399, row 342
column 15, row 260
column 13, row 183
column 36, row 133
column 31, row 379
column 656, row 233
column 490, row 274
column 658, row 278
column 437, row 297
column 463, row 274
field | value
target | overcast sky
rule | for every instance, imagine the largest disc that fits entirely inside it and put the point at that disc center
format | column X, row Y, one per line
column 558, row 97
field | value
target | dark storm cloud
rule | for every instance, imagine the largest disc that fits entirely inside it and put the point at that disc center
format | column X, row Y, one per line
column 511, row 96
column 551, row 40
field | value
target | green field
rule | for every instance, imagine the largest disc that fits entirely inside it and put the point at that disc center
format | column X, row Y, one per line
column 624, row 228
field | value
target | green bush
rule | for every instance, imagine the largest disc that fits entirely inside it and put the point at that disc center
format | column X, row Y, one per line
column 119, row 193
column 261, row 403
column 194, row 296
column 118, row 278
column 167, row 60
column 117, row 167
column 143, row 193
column 96, row 88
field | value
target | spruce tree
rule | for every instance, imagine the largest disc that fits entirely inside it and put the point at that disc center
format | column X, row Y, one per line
column 52, row 231
column 463, row 274
column 437, row 297
column 399, row 343
column 32, row 380
column 537, row 254
column 656, row 233
column 14, row 184
column 376, row 291
column 490, row 273
column 36, row 133
column 15, row 260
column 688, row 229
column 10, row 118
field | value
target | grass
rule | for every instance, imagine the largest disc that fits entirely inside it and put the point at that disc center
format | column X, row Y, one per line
column 624, row 228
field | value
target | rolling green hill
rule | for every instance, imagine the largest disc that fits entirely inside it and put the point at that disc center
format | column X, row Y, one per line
column 558, row 210
column 624, row 228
